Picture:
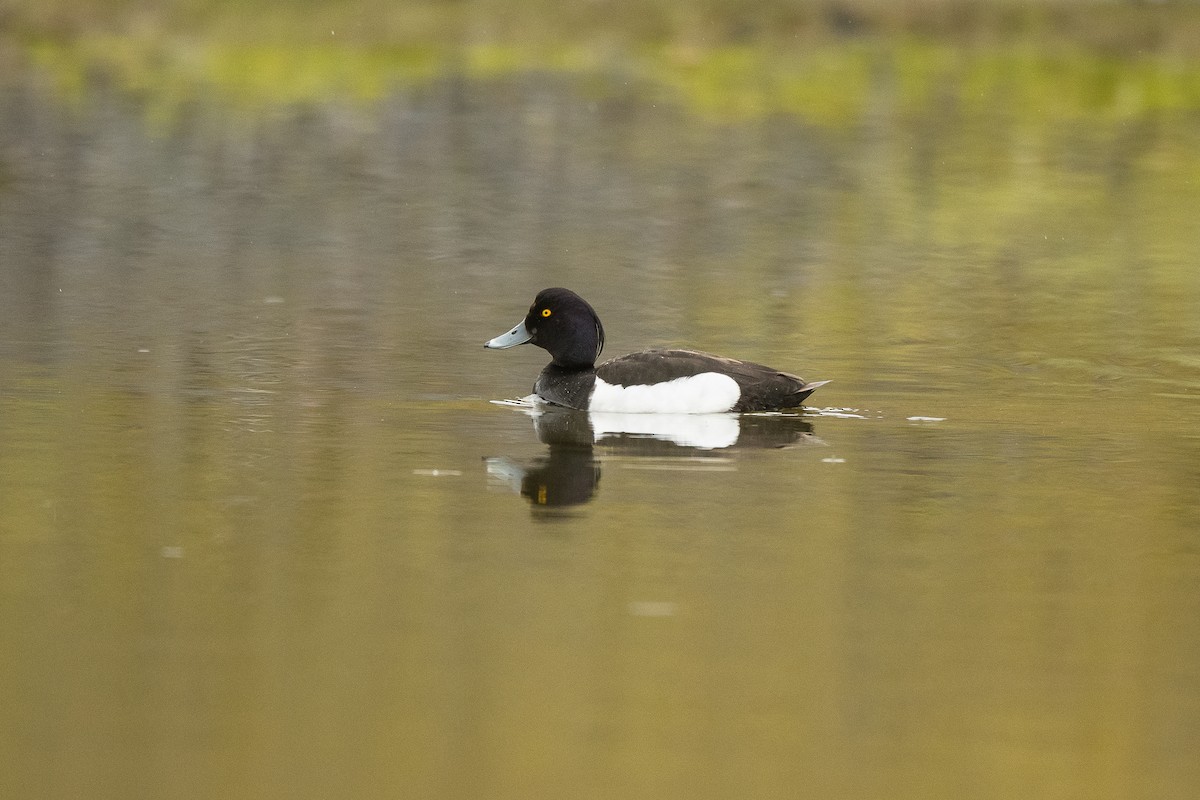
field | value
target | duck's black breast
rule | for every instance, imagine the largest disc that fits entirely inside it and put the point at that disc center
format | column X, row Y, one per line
column 565, row 387
column 762, row 388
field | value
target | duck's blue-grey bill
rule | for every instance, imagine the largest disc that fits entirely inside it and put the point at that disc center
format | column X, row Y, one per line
column 518, row 335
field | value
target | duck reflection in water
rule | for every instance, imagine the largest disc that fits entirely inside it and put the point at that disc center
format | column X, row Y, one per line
column 569, row 474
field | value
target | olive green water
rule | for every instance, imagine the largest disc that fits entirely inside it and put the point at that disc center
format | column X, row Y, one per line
column 263, row 535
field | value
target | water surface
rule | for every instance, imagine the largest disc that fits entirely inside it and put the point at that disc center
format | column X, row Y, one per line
column 264, row 535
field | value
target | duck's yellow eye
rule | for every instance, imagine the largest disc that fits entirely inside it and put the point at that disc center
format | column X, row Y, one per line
column 545, row 312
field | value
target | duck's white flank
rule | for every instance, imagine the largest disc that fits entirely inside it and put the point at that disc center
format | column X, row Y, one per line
column 706, row 393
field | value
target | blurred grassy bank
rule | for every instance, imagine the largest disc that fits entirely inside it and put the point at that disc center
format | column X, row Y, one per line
column 1050, row 61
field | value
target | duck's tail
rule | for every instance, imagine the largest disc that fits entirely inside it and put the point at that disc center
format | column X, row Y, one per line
column 804, row 391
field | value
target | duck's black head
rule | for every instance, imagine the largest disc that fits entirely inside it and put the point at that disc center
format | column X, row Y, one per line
column 562, row 323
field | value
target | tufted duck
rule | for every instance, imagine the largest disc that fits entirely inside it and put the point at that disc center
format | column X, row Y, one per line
column 652, row 381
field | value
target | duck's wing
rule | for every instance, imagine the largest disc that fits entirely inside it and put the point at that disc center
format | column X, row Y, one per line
column 656, row 366
column 762, row 387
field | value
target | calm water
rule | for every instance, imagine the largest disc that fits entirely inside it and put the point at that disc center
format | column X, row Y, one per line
column 262, row 533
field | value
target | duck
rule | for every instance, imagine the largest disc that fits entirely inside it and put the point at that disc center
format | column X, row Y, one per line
column 664, row 381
